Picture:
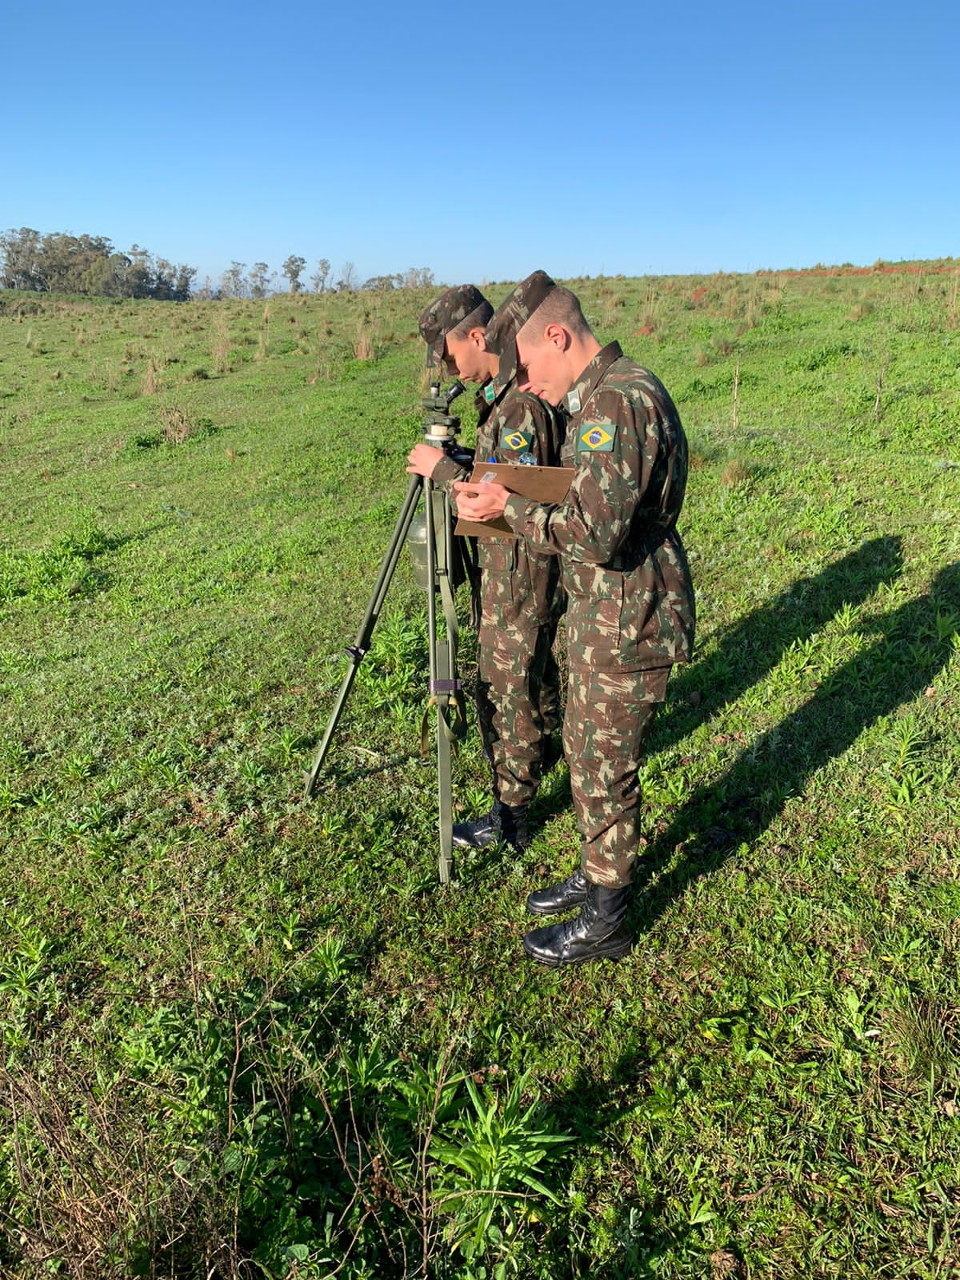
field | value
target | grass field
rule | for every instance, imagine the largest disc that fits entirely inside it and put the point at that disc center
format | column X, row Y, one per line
column 245, row 1035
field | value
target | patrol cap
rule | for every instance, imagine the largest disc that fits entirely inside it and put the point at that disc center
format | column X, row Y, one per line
column 449, row 310
column 510, row 317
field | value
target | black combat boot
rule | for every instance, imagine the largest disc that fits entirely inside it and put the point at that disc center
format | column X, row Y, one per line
column 506, row 822
column 599, row 932
column 559, row 897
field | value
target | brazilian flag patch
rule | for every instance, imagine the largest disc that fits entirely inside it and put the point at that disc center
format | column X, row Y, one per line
column 516, row 440
column 596, row 438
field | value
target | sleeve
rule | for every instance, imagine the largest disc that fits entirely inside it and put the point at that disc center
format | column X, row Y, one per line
column 447, row 472
column 618, row 442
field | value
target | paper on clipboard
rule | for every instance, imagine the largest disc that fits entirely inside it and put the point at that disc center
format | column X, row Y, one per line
column 541, row 484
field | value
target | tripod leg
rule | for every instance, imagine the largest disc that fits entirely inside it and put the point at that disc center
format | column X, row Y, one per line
column 444, row 684
column 357, row 651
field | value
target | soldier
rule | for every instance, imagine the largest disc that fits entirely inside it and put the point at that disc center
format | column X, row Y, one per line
column 630, row 599
column 518, row 688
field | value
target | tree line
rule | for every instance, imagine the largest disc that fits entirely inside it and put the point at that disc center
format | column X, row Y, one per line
column 258, row 282
column 59, row 262
column 63, row 263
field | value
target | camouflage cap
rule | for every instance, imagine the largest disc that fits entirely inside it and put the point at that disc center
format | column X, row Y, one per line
column 449, row 310
column 510, row 317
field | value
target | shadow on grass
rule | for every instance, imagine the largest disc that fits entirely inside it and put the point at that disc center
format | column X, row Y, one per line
column 914, row 645
column 751, row 648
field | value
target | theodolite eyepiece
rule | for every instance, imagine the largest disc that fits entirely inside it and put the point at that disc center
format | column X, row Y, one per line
column 440, row 427
column 443, row 399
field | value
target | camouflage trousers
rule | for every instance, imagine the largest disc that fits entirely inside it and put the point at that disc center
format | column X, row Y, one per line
column 518, row 689
column 608, row 719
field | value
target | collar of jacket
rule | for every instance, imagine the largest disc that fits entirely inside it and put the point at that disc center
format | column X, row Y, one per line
column 480, row 401
column 493, row 390
column 483, row 394
column 586, row 384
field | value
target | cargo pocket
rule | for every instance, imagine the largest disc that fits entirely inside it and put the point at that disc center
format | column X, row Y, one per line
column 594, row 609
column 653, row 633
column 498, row 564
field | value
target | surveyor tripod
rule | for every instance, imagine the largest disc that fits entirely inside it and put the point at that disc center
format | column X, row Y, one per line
column 443, row 558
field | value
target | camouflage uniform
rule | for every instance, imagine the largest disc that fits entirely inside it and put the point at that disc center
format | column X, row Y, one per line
column 518, row 692
column 630, row 599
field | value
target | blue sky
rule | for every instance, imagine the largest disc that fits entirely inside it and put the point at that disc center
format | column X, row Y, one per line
column 483, row 141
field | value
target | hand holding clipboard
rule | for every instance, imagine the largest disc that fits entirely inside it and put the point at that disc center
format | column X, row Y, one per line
column 541, row 484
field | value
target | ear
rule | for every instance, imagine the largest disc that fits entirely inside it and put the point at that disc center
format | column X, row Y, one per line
column 478, row 338
column 557, row 336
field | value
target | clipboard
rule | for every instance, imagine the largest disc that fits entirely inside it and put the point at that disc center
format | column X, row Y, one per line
column 541, row 484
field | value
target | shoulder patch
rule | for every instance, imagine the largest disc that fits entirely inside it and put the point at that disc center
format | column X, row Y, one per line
column 596, row 437
column 516, row 440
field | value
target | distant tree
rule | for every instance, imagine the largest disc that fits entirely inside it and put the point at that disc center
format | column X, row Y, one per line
column 21, row 259
column 172, row 282
column 183, row 282
column 70, row 264
column 320, row 276
column 417, row 278
column 139, row 272
column 259, row 279
column 233, row 283
column 379, row 283
column 348, row 279
column 107, row 276
column 164, row 278
column 292, row 269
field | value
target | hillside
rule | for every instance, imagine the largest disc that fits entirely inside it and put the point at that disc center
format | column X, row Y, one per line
column 247, row 1035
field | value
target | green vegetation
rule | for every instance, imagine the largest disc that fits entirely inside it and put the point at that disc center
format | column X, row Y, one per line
column 62, row 263
column 247, row 1036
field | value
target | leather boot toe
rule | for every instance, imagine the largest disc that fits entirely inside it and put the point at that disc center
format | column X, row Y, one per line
column 599, row 932
column 505, row 822
column 559, row 897
column 478, row 834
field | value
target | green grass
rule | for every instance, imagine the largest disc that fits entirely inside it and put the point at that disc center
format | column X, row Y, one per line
column 245, row 1035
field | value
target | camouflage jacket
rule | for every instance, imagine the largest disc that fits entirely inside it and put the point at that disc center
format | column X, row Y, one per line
column 631, row 602
column 517, row 423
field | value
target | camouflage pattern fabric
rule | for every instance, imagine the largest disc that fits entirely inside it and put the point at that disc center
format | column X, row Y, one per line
column 609, row 717
column 630, row 612
column 510, row 317
column 445, row 313
column 518, row 694
column 625, row 572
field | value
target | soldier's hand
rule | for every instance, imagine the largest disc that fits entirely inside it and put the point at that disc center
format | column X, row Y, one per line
column 423, row 459
column 480, row 501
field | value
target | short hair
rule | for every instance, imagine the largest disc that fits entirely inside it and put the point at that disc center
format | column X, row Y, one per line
column 560, row 306
column 477, row 319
